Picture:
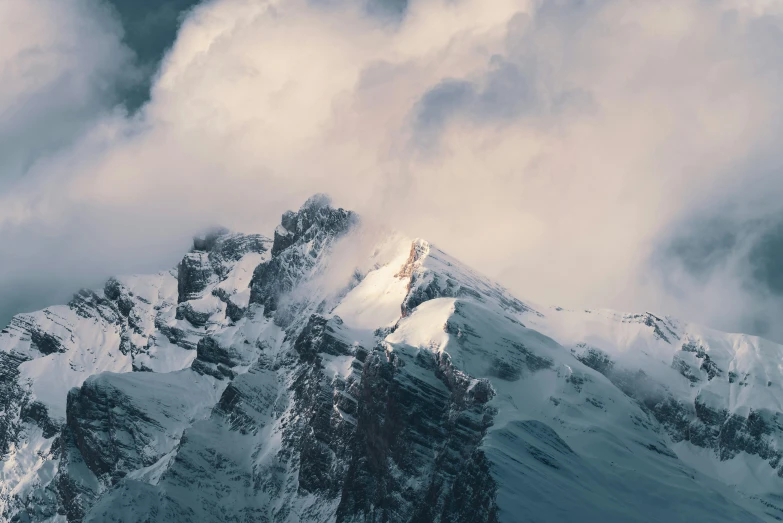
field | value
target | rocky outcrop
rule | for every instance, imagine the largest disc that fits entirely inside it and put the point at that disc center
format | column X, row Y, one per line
column 37, row 414
column 701, row 422
column 13, row 400
column 133, row 323
column 322, row 423
column 432, row 274
column 108, row 429
column 193, row 275
column 322, row 335
column 303, row 237
column 212, row 257
column 119, row 423
column 315, row 221
column 197, row 318
column 661, row 328
column 412, row 431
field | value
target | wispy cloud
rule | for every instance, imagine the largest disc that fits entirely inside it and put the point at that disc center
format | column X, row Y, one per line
column 565, row 148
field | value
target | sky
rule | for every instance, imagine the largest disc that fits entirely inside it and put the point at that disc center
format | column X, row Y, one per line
column 584, row 153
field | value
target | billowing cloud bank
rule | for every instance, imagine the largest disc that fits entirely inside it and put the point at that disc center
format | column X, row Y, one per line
column 616, row 153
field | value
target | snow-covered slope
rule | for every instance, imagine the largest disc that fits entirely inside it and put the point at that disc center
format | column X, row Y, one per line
column 135, row 323
column 717, row 395
column 291, row 380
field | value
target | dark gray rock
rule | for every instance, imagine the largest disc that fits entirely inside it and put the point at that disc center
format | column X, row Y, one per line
column 212, row 257
column 13, row 400
column 185, row 311
column 102, row 424
column 698, row 423
column 193, row 275
column 308, row 233
column 427, row 430
column 321, row 335
column 209, row 351
column 37, row 414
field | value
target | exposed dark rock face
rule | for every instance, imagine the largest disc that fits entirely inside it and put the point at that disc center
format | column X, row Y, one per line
column 118, row 423
column 662, row 329
column 681, row 364
column 39, row 505
column 211, row 259
column 315, row 218
column 430, row 291
column 76, row 485
column 284, row 238
column 185, row 311
column 322, row 335
column 358, row 438
column 428, row 430
column 319, row 435
column 45, row 342
column 233, row 311
column 699, row 423
column 116, row 306
column 274, row 278
column 210, row 238
column 37, row 414
column 175, row 335
column 208, row 350
column 304, row 236
column 13, row 400
column 596, row 359
column 230, row 248
column 194, row 274
column 40, row 339
column 104, row 427
column 704, row 363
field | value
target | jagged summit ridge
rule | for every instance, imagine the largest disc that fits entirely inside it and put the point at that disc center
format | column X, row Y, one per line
column 314, row 222
column 254, row 382
column 300, row 241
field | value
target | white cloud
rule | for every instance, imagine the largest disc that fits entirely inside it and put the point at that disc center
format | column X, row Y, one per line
column 60, row 62
column 554, row 145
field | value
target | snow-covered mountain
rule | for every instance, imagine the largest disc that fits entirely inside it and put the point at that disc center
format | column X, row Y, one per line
column 331, row 374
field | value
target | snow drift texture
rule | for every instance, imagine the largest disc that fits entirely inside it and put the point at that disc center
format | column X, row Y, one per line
column 278, row 380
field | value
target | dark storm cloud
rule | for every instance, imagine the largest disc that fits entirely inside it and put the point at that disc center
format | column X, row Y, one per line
column 78, row 60
column 513, row 86
column 506, row 92
column 766, row 259
column 149, row 30
column 741, row 254
column 756, row 245
column 707, row 245
column 393, row 8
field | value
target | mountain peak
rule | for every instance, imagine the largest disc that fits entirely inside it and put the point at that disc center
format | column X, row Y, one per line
column 276, row 380
column 317, row 201
column 300, row 241
column 207, row 239
column 316, row 217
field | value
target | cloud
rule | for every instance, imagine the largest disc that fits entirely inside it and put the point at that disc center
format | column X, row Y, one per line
column 570, row 149
column 149, row 28
column 61, row 62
